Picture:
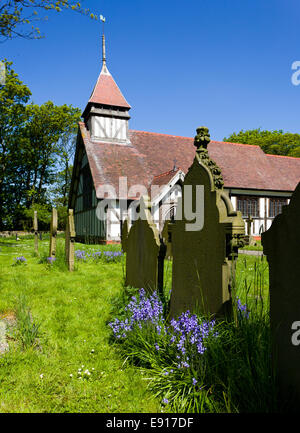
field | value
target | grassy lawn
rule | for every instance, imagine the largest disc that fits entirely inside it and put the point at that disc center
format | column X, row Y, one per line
column 72, row 312
column 69, row 313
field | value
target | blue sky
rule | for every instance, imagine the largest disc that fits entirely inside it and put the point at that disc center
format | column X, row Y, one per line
column 225, row 64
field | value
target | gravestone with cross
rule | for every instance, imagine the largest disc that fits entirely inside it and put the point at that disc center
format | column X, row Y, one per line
column 70, row 241
column 206, row 235
column 53, row 233
column 281, row 246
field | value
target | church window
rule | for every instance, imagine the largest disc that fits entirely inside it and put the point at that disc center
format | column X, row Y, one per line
column 275, row 206
column 248, row 205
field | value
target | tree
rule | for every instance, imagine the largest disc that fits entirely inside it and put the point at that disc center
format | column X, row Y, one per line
column 36, row 143
column 272, row 142
column 13, row 97
column 48, row 134
column 17, row 17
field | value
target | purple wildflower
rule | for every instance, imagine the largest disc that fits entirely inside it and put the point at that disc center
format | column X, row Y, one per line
column 242, row 309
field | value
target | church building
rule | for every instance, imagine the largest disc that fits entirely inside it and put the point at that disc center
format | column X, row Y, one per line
column 115, row 165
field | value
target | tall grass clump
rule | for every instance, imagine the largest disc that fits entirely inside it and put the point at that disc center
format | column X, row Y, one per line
column 198, row 363
column 58, row 262
column 27, row 331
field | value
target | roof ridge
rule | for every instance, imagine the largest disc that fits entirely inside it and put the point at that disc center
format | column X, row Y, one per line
column 282, row 156
column 160, row 133
column 191, row 138
column 167, row 172
column 238, row 144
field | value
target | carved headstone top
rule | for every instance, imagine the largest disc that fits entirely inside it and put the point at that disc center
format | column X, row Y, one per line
column 205, row 241
column 202, row 138
column 201, row 141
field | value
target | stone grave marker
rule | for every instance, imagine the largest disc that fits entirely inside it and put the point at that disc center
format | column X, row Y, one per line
column 144, row 252
column 70, row 240
column 124, row 234
column 166, row 235
column 204, row 249
column 281, row 245
column 249, row 238
column 53, row 233
column 35, row 228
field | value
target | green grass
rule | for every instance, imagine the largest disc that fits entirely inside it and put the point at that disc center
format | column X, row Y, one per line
column 61, row 325
column 62, row 317
column 234, row 374
column 256, row 247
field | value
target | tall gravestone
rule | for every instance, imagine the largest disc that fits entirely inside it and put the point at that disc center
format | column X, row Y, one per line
column 124, row 234
column 35, row 228
column 70, row 240
column 144, row 252
column 281, row 245
column 53, row 233
column 204, row 248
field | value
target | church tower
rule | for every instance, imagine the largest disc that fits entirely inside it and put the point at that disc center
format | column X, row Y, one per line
column 106, row 114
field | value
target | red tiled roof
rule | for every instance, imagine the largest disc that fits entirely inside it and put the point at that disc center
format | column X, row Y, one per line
column 151, row 154
column 107, row 92
column 164, row 178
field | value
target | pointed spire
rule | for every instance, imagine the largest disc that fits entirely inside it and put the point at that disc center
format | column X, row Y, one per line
column 106, row 91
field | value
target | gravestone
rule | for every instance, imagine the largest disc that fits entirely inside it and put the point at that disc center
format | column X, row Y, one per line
column 206, row 236
column 124, row 234
column 35, row 228
column 166, row 235
column 53, row 233
column 144, row 252
column 281, row 246
column 70, row 240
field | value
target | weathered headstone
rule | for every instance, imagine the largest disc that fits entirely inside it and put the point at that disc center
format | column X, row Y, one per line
column 166, row 235
column 53, row 233
column 124, row 234
column 70, row 240
column 144, row 252
column 281, row 245
column 204, row 247
column 35, row 228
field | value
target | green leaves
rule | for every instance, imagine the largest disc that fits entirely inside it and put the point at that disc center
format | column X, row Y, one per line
column 36, row 143
column 271, row 142
column 16, row 15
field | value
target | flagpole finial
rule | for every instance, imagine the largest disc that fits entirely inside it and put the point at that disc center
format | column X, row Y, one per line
column 102, row 18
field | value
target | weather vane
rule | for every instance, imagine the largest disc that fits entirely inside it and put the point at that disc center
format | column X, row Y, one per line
column 102, row 18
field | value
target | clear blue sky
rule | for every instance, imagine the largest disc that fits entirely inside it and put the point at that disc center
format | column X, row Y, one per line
column 225, row 64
